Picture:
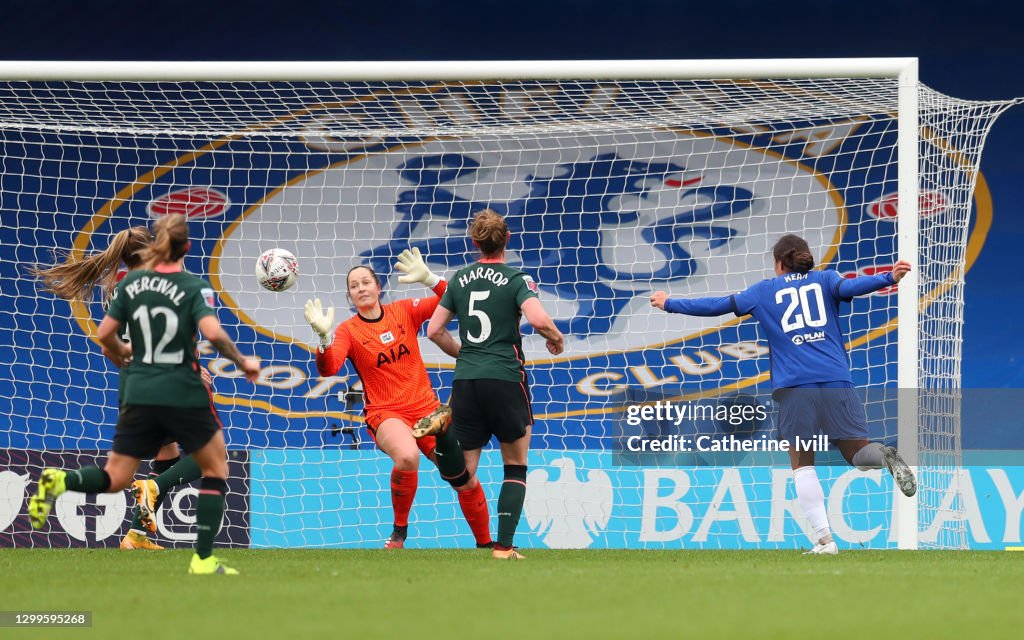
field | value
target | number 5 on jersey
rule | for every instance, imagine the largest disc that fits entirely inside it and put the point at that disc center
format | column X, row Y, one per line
column 480, row 315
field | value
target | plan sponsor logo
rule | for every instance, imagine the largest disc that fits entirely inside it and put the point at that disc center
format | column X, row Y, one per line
column 811, row 336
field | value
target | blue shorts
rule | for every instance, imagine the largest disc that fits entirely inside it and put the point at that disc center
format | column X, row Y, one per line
column 832, row 408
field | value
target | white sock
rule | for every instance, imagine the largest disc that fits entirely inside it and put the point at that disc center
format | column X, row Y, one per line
column 870, row 456
column 812, row 500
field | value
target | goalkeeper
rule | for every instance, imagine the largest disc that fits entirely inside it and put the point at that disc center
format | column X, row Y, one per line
column 381, row 342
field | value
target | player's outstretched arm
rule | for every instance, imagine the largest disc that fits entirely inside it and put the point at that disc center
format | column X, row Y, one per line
column 900, row 269
column 861, row 285
column 320, row 322
column 115, row 349
column 693, row 306
column 544, row 325
column 410, row 262
column 438, row 333
column 212, row 331
column 334, row 347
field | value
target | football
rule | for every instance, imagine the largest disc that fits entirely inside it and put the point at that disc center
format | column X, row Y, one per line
column 277, row 270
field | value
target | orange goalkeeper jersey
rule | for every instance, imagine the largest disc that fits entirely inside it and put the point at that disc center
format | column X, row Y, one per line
column 386, row 355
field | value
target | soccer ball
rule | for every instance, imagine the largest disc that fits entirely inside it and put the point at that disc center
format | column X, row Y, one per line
column 277, row 270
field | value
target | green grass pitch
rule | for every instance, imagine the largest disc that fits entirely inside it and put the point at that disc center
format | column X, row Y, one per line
column 414, row 594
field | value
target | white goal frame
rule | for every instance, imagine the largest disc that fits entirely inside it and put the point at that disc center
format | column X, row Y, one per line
column 905, row 70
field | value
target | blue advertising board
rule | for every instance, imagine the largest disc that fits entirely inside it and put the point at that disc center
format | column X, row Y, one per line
column 581, row 499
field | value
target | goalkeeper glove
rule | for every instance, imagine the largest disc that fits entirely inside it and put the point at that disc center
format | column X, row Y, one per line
column 320, row 321
column 411, row 264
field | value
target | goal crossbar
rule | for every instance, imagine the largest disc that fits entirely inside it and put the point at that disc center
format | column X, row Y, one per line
column 76, row 70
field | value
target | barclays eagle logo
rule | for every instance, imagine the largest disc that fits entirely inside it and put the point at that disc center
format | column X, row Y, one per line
column 567, row 513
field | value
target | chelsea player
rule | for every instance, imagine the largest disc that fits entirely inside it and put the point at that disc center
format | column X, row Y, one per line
column 798, row 310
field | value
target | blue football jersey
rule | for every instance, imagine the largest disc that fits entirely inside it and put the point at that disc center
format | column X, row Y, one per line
column 799, row 313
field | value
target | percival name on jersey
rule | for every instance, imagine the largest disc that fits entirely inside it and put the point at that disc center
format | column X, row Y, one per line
column 157, row 284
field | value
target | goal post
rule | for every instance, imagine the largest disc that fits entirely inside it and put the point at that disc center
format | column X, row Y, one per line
column 908, row 227
column 617, row 177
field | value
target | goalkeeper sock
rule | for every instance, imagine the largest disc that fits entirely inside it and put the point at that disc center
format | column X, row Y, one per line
column 209, row 511
column 870, row 456
column 812, row 500
column 182, row 471
column 474, row 507
column 510, row 503
column 87, row 480
column 403, row 490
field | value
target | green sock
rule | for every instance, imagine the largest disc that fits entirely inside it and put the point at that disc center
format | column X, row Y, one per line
column 184, row 471
column 209, row 511
column 510, row 503
column 87, row 480
column 137, row 520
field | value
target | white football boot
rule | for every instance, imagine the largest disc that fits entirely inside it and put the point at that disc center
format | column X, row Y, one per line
column 825, row 547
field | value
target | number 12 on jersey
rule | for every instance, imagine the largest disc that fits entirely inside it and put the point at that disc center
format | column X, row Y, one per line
column 158, row 356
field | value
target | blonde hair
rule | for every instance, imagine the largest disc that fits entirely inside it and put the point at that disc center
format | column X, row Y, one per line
column 170, row 241
column 75, row 280
column 489, row 231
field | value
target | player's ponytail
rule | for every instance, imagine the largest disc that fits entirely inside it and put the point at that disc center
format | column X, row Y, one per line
column 170, row 241
column 75, row 280
column 794, row 254
column 489, row 232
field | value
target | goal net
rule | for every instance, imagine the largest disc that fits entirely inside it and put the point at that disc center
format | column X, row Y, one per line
column 612, row 189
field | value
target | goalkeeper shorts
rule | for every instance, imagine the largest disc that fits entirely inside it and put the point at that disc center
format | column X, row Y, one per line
column 374, row 419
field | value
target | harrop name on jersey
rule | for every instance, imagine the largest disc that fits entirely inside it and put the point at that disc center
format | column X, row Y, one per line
column 488, row 273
